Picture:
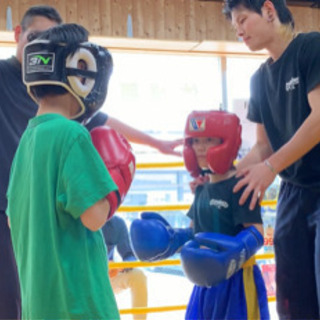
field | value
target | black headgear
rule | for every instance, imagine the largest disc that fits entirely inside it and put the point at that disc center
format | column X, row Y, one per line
column 47, row 63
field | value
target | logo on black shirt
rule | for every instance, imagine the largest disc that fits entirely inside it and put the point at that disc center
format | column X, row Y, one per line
column 290, row 85
column 219, row 203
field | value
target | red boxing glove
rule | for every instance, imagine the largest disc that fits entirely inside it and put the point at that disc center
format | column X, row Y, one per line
column 117, row 155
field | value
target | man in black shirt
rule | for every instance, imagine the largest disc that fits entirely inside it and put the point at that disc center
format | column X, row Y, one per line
column 16, row 108
column 284, row 104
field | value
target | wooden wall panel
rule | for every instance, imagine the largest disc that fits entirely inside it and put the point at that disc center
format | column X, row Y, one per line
column 148, row 16
column 83, row 13
column 159, row 19
column 3, row 18
column 71, row 12
column 169, row 10
column 62, row 6
column 190, row 16
column 180, row 22
column 190, row 20
column 94, row 16
column 137, row 15
column 106, row 17
column 306, row 19
column 213, row 23
column 200, row 20
column 119, row 18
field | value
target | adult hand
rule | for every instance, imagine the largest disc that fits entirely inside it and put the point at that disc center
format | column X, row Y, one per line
column 168, row 147
column 197, row 182
column 256, row 179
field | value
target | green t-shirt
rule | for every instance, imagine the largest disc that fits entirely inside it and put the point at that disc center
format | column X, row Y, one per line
column 56, row 175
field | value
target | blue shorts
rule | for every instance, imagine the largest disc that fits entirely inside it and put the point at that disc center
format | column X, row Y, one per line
column 297, row 250
column 9, row 283
column 241, row 297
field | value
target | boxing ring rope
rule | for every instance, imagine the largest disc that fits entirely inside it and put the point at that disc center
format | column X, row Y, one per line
column 159, row 165
column 174, row 207
column 137, row 264
column 168, row 262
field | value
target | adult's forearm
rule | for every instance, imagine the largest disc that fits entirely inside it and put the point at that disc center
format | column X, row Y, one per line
column 129, row 132
column 258, row 153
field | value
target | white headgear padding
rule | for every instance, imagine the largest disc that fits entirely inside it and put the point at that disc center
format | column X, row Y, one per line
column 47, row 63
column 81, row 89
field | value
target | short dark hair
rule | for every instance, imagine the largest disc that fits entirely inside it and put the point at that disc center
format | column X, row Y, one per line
column 42, row 11
column 284, row 14
column 72, row 34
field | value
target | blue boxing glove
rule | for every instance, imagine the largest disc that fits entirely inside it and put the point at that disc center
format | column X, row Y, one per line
column 212, row 257
column 153, row 238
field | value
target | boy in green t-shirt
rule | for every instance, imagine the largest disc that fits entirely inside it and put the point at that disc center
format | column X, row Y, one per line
column 60, row 193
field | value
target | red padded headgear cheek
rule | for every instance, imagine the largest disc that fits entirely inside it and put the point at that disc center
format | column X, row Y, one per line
column 219, row 158
column 190, row 161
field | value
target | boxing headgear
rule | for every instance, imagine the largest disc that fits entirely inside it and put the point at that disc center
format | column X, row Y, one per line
column 47, row 63
column 215, row 124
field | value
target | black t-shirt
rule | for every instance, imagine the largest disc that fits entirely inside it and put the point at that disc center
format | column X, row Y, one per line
column 16, row 108
column 216, row 209
column 98, row 120
column 279, row 100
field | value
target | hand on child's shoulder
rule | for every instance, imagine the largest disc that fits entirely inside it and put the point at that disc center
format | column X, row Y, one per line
column 201, row 180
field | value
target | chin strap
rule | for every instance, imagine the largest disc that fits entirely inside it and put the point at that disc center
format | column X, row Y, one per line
column 206, row 171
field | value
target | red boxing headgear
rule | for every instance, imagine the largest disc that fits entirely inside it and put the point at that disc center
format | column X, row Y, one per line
column 215, row 124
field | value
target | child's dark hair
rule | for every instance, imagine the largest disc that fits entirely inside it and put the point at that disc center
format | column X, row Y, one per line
column 40, row 11
column 284, row 14
column 69, row 33
column 72, row 34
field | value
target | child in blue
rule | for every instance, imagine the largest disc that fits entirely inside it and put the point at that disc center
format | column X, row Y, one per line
column 224, row 236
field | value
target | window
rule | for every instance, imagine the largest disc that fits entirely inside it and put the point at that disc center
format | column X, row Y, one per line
column 155, row 93
column 7, row 52
column 239, row 72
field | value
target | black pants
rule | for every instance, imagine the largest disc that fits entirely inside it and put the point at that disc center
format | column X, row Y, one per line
column 297, row 250
column 10, row 303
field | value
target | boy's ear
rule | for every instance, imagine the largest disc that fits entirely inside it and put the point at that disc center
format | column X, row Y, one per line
column 17, row 32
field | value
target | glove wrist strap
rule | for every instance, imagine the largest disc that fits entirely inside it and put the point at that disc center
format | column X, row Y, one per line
column 114, row 202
